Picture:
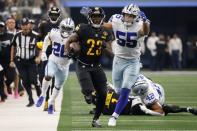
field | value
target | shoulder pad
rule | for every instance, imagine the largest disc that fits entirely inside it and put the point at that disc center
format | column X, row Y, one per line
column 115, row 17
column 54, row 31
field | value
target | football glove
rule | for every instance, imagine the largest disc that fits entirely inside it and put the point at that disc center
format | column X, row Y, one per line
column 43, row 56
column 143, row 16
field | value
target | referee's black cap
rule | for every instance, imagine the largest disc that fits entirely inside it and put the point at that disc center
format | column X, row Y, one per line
column 25, row 21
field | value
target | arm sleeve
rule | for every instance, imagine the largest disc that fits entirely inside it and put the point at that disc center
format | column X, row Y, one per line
column 46, row 42
column 150, row 112
column 79, row 29
column 110, row 36
column 13, row 43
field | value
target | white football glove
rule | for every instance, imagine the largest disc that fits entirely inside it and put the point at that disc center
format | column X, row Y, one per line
column 1, row 68
column 43, row 56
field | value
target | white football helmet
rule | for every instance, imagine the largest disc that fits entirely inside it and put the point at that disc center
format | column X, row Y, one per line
column 140, row 87
column 67, row 27
column 131, row 9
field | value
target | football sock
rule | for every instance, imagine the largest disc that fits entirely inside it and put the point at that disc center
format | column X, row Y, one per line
column 45, row 85
column 54, row 95
column 99, row 105
column 122, row 101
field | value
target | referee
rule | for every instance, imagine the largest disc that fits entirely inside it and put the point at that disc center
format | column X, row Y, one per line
column 26, row 58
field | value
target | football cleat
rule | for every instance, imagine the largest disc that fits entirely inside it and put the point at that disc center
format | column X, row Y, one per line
column 50, row 109
column 40, row 101
column 192, row 110
column 96, row 123
column 30, row 104
column 112, row 121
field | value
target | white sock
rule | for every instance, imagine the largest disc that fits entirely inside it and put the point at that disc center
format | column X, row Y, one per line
column 54, row 95
column 45, row 86
column 115, row 115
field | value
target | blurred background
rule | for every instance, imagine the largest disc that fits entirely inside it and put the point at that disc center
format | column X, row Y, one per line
column 173, row 22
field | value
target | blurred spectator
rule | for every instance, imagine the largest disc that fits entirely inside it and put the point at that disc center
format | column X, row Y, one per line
column 175, row 50
column 2, row 93
column 160, row 52
column 5, row 43
column 11, row 25
column 195, row 53
column 151, row 45
column 11, row 29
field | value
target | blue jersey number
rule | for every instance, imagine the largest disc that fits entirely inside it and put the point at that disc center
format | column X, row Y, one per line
column 150, row 97
column 58, row 50
column 125, row 39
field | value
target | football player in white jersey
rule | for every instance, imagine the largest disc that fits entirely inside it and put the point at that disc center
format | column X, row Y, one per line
column 58, row 63
column 153, row 96
column 128, row 28
column 150, row 100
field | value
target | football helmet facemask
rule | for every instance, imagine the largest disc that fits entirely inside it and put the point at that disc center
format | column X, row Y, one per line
column 54, row 14
column 96, row 16
column 67, row 27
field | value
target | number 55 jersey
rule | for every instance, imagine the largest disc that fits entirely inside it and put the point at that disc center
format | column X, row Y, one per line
column 127, row 43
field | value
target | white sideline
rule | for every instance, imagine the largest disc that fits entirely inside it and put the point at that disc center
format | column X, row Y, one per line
column 15, row 116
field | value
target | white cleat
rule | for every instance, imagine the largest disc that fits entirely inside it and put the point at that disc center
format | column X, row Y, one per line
column 112, row 121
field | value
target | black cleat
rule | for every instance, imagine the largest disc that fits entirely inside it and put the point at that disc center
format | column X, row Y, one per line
column 96, row 123
column 30, row 104
column 92, row 111
column 192, row 110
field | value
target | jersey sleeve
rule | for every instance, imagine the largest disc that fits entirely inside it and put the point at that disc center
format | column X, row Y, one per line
column 115, row 18
column 79, row 29
column 110, row 36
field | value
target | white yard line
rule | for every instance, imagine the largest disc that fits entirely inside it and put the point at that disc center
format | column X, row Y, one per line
column 15, row 116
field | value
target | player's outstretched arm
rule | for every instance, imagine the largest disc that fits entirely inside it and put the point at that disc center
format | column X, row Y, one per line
column 146, row 25
column 156, row 110
column 107, row 25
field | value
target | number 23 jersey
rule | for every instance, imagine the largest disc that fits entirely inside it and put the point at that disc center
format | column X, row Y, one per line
column 127, row 43
column 92, row 42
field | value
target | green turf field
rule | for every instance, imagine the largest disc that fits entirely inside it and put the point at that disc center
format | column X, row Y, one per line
column 179, row 89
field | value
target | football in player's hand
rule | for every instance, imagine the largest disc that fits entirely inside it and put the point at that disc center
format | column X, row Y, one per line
column 75, row 46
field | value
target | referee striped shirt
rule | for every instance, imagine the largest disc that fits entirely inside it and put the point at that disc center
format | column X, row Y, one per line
column 25, row 45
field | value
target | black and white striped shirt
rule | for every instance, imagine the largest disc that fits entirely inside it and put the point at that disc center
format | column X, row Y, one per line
column 25, row 45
